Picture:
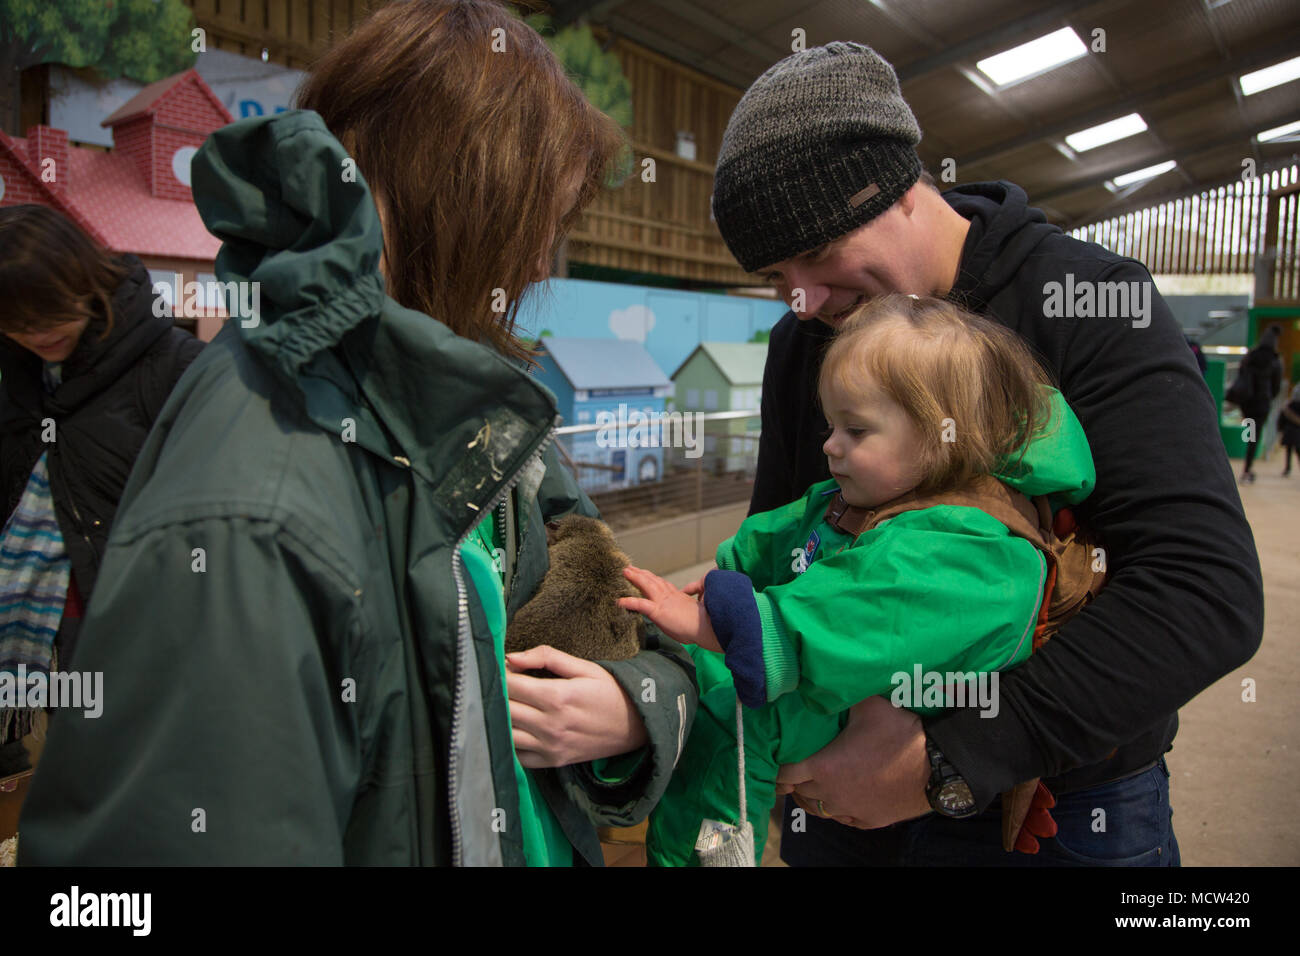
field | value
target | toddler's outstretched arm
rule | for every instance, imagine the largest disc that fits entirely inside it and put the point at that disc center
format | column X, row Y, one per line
column 678, row 614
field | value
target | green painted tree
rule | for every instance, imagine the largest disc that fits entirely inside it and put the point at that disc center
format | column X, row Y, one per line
column 598, row 73
column 142, row 40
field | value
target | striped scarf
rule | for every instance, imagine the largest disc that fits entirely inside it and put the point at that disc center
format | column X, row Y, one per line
column 34, row 575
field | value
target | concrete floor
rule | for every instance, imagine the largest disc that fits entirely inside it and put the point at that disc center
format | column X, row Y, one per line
column 1235, row 766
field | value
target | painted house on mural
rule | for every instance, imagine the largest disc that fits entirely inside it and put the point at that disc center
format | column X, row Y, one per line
column 616, row 377
column 724, row 377
column 136, row 197
column 668, row 322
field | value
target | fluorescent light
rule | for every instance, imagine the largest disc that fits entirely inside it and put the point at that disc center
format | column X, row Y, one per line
column 1277, row 132
column 1127, row 179
column 1104, row 133
column 1036, row 56
column 1271, row 76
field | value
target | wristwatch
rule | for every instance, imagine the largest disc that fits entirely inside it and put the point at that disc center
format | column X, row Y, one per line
column 947, row 791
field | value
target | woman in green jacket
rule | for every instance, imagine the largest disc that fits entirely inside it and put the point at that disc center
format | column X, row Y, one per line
column 813, row 617
column 301, row 611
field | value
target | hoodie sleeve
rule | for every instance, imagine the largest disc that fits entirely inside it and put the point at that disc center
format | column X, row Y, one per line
column 1184, row 603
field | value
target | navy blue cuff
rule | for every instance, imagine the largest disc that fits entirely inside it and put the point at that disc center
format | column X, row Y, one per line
column 729, row 602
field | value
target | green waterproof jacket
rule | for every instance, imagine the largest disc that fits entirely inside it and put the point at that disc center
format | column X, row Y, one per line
column 930, row 593
column 295, row 668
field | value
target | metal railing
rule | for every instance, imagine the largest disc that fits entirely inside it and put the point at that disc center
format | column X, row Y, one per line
column 642, row 470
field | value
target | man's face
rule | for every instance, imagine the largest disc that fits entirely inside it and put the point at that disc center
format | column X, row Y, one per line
column 881, row 257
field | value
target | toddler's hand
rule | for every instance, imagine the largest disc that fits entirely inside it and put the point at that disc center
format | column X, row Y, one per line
column 675, row 612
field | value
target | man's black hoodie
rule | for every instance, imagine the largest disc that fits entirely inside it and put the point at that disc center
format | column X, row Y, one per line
column 1184, row 602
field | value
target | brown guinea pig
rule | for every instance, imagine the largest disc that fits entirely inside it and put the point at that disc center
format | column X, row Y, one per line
column 575, row 609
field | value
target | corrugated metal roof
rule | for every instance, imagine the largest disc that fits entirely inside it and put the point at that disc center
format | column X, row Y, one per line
column 1174, row 62
column 604, row 363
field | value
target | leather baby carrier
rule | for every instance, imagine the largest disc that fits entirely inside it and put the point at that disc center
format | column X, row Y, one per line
column 1076, row 571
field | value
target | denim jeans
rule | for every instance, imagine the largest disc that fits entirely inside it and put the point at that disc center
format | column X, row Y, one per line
column 1125, row 822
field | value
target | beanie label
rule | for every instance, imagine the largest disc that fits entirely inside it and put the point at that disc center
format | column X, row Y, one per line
column 862, row 195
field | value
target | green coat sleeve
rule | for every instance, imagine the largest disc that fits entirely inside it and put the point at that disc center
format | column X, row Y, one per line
column 223, row 737
column 660, row 682
column 762, row 547
column 948, row 589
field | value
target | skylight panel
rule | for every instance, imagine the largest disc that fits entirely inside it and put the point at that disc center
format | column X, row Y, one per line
column 1270, row 76
column 1150, row 172
column 1104, row 133
column 1036, row 56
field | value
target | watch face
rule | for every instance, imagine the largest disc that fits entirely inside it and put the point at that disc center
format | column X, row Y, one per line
column 955, row 797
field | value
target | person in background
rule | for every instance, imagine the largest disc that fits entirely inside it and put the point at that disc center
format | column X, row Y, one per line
column 1262, row 367
column 1195, row 346
column 1288, row 426
column 85, row 368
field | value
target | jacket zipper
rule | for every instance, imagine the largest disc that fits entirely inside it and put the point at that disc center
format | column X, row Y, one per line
column 81, row 524
column 464, row 642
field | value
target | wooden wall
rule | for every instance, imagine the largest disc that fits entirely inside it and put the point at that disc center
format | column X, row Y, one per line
column 293, row 32
column 661, row 227
column 665, row 226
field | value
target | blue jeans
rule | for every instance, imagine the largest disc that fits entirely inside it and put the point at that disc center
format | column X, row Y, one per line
column 1133, row 828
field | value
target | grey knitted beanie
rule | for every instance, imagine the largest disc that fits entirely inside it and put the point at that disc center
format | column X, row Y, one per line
column 821, row 144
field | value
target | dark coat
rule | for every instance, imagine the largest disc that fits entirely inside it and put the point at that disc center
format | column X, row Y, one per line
column 1262, row 367
column 1176, row 614
column 112, row 390
column 1287, row 428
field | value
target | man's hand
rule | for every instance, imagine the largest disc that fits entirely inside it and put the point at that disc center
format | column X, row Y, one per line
column 582, row 714
column 873, row 774
column 677, row 614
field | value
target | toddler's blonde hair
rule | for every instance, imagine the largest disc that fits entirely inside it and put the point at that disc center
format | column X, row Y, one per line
column 939, row 362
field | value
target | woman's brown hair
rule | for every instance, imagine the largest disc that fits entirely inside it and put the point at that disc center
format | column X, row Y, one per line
column 470, row 134
column 51, row 272
column 972, row 388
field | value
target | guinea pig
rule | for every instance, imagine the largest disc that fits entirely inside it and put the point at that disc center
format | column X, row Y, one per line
column 575, row 609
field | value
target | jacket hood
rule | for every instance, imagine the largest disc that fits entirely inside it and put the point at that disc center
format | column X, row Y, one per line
column 1057, row 461
column 277, row 192
column 1004, row 231
column 297, row 220
column 96, row 362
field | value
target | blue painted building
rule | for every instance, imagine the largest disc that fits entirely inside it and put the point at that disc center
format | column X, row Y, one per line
column 617, row 377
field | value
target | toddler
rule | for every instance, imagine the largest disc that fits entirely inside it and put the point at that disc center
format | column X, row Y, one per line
column 894, row 576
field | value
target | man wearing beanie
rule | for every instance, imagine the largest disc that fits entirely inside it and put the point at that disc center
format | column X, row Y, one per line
column 819, row 189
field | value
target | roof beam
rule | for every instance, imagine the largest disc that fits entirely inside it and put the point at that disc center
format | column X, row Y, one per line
column 1128, row 104
column 716, row 26
column 1180, row 155
column 1122, row 206
column 675, row 51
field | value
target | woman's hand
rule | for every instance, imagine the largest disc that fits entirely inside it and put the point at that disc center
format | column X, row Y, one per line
column 675, row 612
column 579, row 715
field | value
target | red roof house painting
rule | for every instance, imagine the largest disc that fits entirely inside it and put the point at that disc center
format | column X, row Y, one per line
column 135, row 198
